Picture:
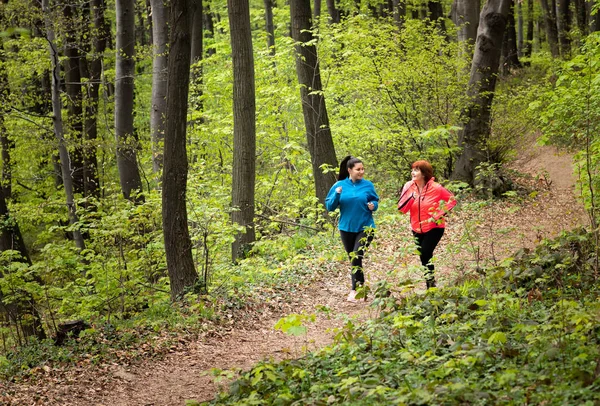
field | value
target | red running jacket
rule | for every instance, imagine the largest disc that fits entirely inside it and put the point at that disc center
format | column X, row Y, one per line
column 427, row 209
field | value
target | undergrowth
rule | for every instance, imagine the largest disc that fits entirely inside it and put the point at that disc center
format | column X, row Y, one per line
column 526, row 334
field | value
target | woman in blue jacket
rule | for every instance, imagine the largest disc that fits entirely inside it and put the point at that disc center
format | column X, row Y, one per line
column 357, row 200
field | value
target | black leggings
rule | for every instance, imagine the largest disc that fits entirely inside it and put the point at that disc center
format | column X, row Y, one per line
column 356, row 243
column 426, row 243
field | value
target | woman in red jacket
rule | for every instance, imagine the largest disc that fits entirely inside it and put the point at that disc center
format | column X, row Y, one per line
column 428, row 203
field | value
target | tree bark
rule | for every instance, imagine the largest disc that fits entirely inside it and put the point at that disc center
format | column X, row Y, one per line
column 126, row 139
column 160, row 36
column 334, row 12
column 23, row 308
column 269, row 26
column 316, row 9
column 436, row 14
column 5, row 142
column 74, row 100
column 465, row 15
column 510, row 53
column 92, row 72
column 593, row 20
column 316, row 121
column 399, row 10
column 178, row 245
column 209, row 26
column 65, row 159
column 581, row 17
column 550, row 26
column 563, row 21
column 482, row 83
column 528, row 45
column 244, row 125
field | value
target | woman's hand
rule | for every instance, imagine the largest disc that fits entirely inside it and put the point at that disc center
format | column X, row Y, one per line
column 371, row 206
column 338, row 189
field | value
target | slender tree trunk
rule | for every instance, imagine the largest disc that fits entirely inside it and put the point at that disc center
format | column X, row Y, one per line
column 581, row 17
column 197, row 36
column 90, row 104
column 160, row 35
column 563, row 22
column 334, row 12
column 127, row 143
column 178, row 245
column 22, row 311
column 5, row 142
column 550, row 25
column 465, row 15
column 74, row 99
column 269, row 26
column 244, row 125
column 65, row 159
column 399, row 7
column 436, row 14
column 484, row 69
column 209, row 27
column 528, row 45
column 510, row 53
column 318, row 132
column 316, row 9
column 520, row 29
column 593, row 20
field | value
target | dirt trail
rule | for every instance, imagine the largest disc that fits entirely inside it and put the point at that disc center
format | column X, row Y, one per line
column 183, row 374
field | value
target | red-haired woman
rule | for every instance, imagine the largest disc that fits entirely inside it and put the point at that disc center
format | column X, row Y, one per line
column 428, row 203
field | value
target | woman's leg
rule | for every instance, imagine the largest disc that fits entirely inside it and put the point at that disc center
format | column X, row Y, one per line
column 355, row 245
column 426, row 243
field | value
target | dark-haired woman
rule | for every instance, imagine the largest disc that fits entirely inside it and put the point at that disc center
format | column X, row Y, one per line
column 357, row 200
column 428, row 203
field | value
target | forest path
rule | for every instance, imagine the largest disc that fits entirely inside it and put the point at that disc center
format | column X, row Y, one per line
column 185, row 373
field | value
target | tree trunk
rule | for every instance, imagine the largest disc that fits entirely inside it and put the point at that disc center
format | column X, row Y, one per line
column 563, row 21
column 269, row 26
column 178, row 245
column 160, row 36
column 528, row 45
column 197, row 35
column 65, row 159
column 520, row 29
column 127, row 143
column 92, row 74
column 244, row 125
column 209, row 27
column 436, row 14
column 5, row 142
column 316, row 9
column 74, row 99
column 465, row 15
column 581, row 17
column 482, row 83
column 550, row 25
column 593, row 20
column 510, row 53
column 334, row 12
column 318, row 132
column 23, row 308
column 399, row 10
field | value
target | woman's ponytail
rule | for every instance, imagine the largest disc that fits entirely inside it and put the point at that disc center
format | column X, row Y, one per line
column 343, row 173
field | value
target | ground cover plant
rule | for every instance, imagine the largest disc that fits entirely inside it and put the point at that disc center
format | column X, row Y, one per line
column 525, row 335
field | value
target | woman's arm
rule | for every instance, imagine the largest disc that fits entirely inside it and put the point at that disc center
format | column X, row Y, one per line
column 407, row 197
column 332, row 200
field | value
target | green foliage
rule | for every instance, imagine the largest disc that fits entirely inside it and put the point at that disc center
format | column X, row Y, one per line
column 478, row 343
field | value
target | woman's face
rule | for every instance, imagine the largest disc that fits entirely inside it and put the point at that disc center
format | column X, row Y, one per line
column 417, row 176
column 357, row 171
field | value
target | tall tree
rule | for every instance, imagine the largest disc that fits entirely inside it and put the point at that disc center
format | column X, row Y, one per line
column 334, row 12
column 550, row 26
column 465, row 15
column 126, row 138
column 399, row 10
column 244, row 124
column 160, row 37
column 316, row 121
column 178, row 245
column 563, row 24
column 510, row 54
column 269, row 26
column 480, row 92
column 528, row 44
column 63, row 152
column 5, row 142
column 593, row 19
column 74, row 100
column 23, row 307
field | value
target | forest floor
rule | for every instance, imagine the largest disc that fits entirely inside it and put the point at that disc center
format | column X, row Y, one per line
column 495, row 231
